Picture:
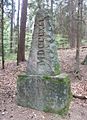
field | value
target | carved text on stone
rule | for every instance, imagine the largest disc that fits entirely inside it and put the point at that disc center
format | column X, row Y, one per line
column 40, row 52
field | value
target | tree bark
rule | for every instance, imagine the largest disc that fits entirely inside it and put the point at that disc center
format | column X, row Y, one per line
column 18, row 28
column 79, row 22
column 21, row 48
column 2, row 27
column 71, row 24
column 11, row 31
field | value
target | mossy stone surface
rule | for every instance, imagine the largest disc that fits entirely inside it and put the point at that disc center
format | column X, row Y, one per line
column 57, row 69
column 45, row 93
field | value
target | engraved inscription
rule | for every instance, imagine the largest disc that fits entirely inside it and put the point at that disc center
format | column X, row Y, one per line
column 40, row 52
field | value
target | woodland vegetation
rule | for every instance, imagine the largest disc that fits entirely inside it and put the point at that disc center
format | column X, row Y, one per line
column 70, row 28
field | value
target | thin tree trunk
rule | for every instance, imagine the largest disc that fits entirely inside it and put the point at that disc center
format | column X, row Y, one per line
column 77, row 48
column 2, row 36
column 21, row 48
column 0, row 28
column 52, row 7
column 18, row 29
column 79, row 18
column 11, row 36
column 71, row 24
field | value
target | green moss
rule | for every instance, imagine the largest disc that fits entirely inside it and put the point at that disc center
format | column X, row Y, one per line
column 65, row 110
column 48, row 109
column 45, row 77
column 60, row 79
column 65, row 80
column 61, row 112
column 57, row 69
column 22, row 78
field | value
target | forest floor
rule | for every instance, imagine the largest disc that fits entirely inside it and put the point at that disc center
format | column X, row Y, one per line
column 78, row 108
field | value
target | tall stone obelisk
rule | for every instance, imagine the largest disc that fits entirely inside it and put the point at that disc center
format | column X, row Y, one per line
column 43, row 59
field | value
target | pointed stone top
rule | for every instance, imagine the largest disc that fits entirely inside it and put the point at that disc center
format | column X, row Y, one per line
column 43, row 58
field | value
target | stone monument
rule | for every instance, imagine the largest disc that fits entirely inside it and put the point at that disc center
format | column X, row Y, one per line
column 43, row 58
column 43, row 87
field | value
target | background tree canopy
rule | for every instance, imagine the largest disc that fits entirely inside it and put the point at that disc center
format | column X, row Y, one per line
column 65, row 19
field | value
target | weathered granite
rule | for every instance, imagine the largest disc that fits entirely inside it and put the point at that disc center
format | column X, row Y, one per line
column 43, row 57
column 46, row 93
column 43, row 87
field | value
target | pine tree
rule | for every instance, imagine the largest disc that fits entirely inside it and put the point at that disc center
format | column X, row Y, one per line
column 21, row 48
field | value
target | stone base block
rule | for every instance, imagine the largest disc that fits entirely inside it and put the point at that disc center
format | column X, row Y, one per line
column 45, row 93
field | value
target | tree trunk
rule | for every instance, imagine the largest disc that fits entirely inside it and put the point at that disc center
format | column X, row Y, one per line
column 71, row 24
column 52, row 7
column 79, row 18
column 11, row 35
column 18, row 27
column 2, row 27
column 21, row 47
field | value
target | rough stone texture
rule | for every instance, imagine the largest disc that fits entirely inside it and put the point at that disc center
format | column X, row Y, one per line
column 43, row 54
column 46, row 93
column 42, row 87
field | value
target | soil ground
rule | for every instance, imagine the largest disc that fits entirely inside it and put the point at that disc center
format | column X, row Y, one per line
column 78, row 108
